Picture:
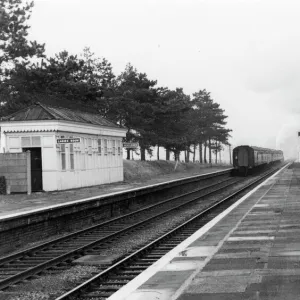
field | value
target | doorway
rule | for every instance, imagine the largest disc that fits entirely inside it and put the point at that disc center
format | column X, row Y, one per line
column 36, row 168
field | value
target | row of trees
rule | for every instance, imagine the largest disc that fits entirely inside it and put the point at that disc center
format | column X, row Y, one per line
column 153, row 115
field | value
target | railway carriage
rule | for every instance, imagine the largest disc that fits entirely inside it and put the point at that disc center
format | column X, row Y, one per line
column 247, row 158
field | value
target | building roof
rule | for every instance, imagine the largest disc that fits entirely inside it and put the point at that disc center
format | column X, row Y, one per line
column 40, row 111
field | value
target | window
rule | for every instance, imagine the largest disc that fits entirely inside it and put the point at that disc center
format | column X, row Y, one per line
column 63, row 156
column 71, row 156
column 25, row 142
column 99, row 146
column 82, row 160
column 113, row 147
column 36, row 141
column 90, row 147
column 105, row 146
column 119, row 147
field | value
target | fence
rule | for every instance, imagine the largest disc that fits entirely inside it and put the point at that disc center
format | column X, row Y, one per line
column 16, row 168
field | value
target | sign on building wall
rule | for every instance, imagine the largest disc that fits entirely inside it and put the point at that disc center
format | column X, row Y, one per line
column 130, row 145
column 68, row 141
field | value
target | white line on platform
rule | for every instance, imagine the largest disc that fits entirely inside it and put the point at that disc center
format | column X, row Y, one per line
column 125, row 291
column 249, row 238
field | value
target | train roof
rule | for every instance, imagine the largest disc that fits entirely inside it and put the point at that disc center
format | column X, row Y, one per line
column 255, row 148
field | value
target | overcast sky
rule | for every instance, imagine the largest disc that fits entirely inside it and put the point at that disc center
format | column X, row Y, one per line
column 246, row 53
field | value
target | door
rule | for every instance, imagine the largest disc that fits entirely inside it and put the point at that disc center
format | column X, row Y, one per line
column 36, row 168
column 243, row 157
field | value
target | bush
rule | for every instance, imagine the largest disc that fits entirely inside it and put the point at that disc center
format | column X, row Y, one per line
column 2, row 185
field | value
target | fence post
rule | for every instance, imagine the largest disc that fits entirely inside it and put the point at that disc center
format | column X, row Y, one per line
column 28, row 157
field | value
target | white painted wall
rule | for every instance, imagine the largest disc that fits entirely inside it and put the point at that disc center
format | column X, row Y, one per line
column 91, row 167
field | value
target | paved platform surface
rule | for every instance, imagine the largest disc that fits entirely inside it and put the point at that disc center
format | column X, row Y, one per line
column 23, row 203
column 252, row 253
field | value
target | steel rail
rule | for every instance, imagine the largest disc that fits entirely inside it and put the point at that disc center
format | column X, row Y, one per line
column 92, row 282
column 80, row 251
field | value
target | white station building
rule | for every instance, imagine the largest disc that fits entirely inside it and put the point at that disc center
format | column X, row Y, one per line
column 69, row 149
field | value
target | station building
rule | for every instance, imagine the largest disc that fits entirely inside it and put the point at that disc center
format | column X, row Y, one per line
column 69, row 149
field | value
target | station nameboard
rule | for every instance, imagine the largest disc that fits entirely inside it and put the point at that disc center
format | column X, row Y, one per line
column 130, row 145
column 68, row 141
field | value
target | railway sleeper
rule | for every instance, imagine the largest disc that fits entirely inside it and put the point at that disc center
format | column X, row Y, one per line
column 143, row 264
column 49, row 272
column 59, row 268
column 137, row 267
column 113, row 287
column 120, row 281
column 131, row 272
column 158, row 253
column 22, row 266
column 76, row 244
column 122, row 277
column 26, row 263
column 15, row 269
column 186, row 231
column 45, row 256
column 33, row 259
column 165, row 248
column 84, row 240
column 7, row 273
column 95, row 296
column 32, row 277
column 54, row 251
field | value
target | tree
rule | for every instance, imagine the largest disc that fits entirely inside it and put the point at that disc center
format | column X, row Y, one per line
column 172, row 122
column 14, row 46
column 209, row 120
column 16, row 52
column 133, row 106
column 202, row 111
column 63, row 80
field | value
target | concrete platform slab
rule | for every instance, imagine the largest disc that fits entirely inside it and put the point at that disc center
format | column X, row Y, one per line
column 255, row 252
column 18, row 204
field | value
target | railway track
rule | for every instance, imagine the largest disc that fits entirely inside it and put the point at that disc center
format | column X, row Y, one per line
column 57, row 254
column 104, row 284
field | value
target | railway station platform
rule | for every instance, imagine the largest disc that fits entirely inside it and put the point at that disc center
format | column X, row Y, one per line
column 251, row 251
column 20, row 204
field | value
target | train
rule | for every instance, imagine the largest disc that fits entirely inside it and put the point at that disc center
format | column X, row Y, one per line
column 248, row 158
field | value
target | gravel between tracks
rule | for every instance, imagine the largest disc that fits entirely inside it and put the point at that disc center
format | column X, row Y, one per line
column 51, row 286
column 134, row 207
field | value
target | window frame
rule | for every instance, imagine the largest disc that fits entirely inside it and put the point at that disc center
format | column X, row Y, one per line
column 99, row 146
column 63, row 160
column 105, row 147
column 72, row 157
column 113, row 147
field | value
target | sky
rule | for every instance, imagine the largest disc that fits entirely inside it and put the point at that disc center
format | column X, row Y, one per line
column 246, row 53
